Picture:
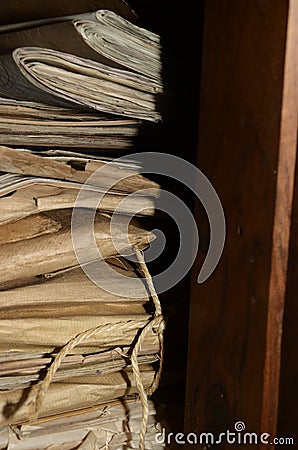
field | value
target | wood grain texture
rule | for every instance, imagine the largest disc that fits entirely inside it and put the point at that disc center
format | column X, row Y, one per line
column 288, row 393
column 282, row 225
column 246, row 155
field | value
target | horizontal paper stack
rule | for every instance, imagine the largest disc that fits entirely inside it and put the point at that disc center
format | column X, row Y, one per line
column 114, row 425
column 78, row 359
column 87, row 80
column 28, row 123
column 67, row 344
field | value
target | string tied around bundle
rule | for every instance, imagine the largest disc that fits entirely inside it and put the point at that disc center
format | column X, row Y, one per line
column 155, row 324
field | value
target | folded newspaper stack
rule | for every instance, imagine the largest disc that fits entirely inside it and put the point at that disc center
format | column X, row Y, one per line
column 77, row 360
column 85, row 80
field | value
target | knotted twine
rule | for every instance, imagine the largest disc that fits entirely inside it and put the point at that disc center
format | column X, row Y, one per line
column 155, row 324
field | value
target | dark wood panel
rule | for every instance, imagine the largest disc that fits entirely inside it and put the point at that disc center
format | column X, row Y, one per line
column 288, row 414
column 282, row 225
column 250, row 162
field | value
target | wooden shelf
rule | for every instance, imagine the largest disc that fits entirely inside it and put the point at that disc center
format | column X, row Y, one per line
column 247, row 148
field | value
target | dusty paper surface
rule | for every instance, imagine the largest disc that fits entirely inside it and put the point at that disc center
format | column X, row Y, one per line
column 27, row 228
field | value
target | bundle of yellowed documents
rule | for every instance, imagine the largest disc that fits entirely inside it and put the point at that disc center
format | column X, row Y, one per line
column 75, row 362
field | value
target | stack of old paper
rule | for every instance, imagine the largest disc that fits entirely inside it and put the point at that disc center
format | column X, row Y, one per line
column 39, row 124
column 78, row 358
column 114, row 425
column 37, row 320
column 68, row 344
column 31, row 183
column 84, row 80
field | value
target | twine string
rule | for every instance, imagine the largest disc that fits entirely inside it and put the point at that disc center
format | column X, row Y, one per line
column 156, row 324
column 40, row 389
